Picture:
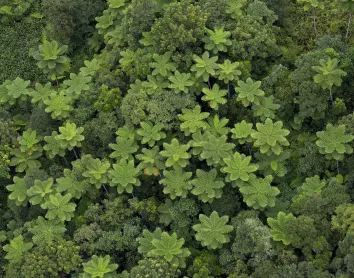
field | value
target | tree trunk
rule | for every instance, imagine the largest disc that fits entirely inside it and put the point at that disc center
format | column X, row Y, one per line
column 314, row 22
column 348, row 28
column 337, row 167
column 330, row 92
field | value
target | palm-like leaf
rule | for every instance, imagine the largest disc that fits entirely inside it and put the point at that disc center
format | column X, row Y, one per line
column 207, row 185
column 213, row 231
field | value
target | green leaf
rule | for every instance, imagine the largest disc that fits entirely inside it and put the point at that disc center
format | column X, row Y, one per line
column 193, row 120
column 217, row 40
column 229, row 71
column 70, row 183
column 91, row 67
column 258, row 193
column 266, row 108
column 218, row 127
column 59, row 105
column 278, row 227
column 242, row 132
column 270, row 137
column 249, row 92
column 150, row 161
column 328, row 74
column 40, row 191
column 180, row 82
column 53, row 146
column 215, row 96
column 46, row 231
column 96, row 170
column 124, row 148
column 16, row 248
column 162, row 65
column 99, row 266
column 176, row 154
column 213, row 231
column 151, row 133
column 29, row 140
column 238, row 168
column 177, row 183
column 77, row 84
column 334, row 142
column 18, row 88
column 216, row 149
column 312, row 185
column 70, row 136
column 205, row 66
column 59, row 207
column 25, row 160
column 124, row 176
column 207, row 185
column 18, row 191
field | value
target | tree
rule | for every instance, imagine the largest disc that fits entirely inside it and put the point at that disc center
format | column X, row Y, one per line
column 312, row 185
column 15, row 249
column 69, row 136
column 249, row 92
column 150, row 161
column 161, row 244
column 308, row 4
column 40, row 191
column 17, row 89
column 177, row 183
column 270, row 137
column 278, row 227
column 216, row 149
column 258, row 193
column 193, row 120
column 334, row 143
column 77, row 84
column 123, row 175
column 238, row 168
column 18, row 191
column 51, row 59
column 228, row 72
column 348, row 6
column 214, row 96
column 242, row 132
column 176, row 153
column 204, row 66
column 25, row 160
column 328, row 74
column 59, row 105
column 124, row 148
column 53, row 146
column 59, row 207
column 218, row 40
column 180, row 82
column 95, row 170
column 162, row 65
column 70, row 183
column 151, row 133
column 99, row 267
column 218, row 126
column 41, row 93
column 46, row 231
column 212, row 231
column 266, row 108
column 207, row 185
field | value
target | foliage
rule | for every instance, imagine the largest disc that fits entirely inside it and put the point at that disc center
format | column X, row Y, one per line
column 98, row 267
column 333, row 142
column 180, row 82
column 204, row 66
column 69, row 136
column 229, row 71
column 238, row 168
column 59, row 207
column 213, row 231
column 312, row 185
column 151, row 133
column 51, row 58
column 177, row 155
column 270, row 137
column 193, row 120
column 15, row 249
column 40, row 191
column 217, row 40
column 216, row 149
column 176, row 182
column 258, row 193
column 207, row 185
column 162, row 65
column 214, row 96
column 123, row 175
column 249, row 92
column 161, row 244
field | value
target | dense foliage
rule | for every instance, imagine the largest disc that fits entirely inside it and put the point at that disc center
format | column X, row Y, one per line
column 176, row 138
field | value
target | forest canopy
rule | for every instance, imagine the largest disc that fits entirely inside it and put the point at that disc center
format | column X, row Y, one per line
column 176, row 138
